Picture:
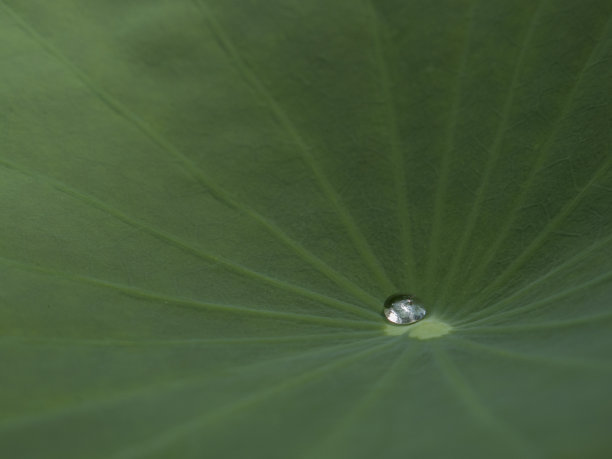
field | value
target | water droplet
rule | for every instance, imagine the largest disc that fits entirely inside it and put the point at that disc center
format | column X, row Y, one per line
column 403, row 309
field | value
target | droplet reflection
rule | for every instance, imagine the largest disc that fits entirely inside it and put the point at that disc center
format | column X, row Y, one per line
column 402, row 309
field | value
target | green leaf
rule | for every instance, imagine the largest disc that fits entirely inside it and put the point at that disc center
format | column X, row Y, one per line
column 204, row 205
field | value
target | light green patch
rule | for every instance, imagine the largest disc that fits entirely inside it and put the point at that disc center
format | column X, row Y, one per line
column 426, row 329
column 429, row 328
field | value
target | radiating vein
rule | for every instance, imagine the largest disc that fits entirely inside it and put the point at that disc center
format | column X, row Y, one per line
column 494, row 151
column 552, row 225
column 441, row 188
column 358, row 239
column 581, row 255
column 399, row 172
column 191, row 426
column 342, row 426
column 112, row 342
column 190, row 166
column 466, row 394
column 543, row 153
column 581, row 362
column 188, row 302
column 187, row 247
column 537, row 305
column 530, row 327
column 91, row 402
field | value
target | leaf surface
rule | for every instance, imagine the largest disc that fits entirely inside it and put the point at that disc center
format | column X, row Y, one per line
column 205, row 204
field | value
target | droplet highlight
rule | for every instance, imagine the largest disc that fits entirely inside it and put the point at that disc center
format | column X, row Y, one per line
column 403, row 309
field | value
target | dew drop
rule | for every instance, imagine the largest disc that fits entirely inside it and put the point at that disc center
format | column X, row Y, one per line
column 402, row 309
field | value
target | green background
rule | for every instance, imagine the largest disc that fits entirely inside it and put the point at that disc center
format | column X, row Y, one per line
column 204, row 204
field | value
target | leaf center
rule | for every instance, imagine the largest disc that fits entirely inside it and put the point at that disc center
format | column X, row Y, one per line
column 426, row 329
